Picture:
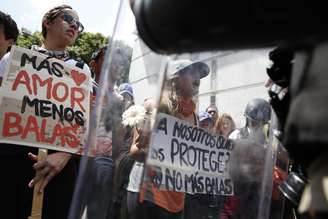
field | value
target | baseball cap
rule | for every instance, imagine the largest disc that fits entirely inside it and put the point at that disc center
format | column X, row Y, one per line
column 204, row 115
column 126, row 88
column 178, row 66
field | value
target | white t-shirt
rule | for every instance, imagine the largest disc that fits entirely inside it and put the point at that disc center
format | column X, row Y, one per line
column 135, row 177
column 3, row 64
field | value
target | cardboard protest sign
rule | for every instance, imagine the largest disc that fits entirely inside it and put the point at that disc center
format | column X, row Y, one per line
column 189, row 159
column 44, row 102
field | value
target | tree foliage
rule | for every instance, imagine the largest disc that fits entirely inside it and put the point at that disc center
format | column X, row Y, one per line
column 26, row 40
column 84, row 46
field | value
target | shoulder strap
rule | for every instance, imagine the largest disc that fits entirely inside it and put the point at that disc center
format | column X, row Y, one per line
column 79, row 62
column 196, row 119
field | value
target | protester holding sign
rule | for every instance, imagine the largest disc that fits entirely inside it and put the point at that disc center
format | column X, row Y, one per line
column 177, row 100
column 60, row 28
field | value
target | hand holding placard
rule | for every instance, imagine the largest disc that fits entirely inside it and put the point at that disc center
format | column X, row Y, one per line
column 142, row 140
column 36, row 212
column 48, row 168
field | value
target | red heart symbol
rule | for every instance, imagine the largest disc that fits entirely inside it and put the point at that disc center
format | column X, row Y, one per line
column 78, row 77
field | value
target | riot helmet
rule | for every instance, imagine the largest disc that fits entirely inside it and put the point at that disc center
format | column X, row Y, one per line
column 258, row 110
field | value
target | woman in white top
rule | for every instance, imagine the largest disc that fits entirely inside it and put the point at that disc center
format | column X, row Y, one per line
column 60, row 28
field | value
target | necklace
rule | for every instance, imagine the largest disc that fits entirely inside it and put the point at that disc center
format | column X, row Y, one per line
column 62, row 55
column 186, row 107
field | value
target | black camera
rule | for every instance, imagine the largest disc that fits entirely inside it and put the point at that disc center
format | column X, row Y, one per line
column 170, row 26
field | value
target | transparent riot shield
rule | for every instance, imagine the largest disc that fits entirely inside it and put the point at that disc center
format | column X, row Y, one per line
column 280, row 171
column 197, row 170
column 101, row 181
column 191, row 146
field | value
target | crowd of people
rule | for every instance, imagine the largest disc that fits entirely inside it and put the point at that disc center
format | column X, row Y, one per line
column 116, row 187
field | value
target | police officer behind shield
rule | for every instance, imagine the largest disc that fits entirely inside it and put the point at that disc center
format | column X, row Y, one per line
column 247, row 172
column 257, row 113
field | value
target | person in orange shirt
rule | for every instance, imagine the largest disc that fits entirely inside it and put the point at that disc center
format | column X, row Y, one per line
column 177, row 100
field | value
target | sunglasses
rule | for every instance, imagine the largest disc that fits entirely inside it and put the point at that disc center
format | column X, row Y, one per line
column 71, row 20
column 212, row 112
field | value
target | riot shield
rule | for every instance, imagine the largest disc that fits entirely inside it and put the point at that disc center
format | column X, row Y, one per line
column 281, row 169
column 196, row 172
column 175, row 161
column 99, row 186
column 278, row 201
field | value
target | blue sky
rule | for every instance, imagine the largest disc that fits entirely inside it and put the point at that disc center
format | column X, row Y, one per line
column 95, row 15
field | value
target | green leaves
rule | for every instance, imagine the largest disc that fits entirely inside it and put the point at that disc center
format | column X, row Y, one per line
column 86, row 44
column 26, row 40
column 83, row 48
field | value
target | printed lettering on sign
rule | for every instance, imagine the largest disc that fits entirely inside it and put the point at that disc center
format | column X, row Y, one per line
column 189, row 159
column 44, row 103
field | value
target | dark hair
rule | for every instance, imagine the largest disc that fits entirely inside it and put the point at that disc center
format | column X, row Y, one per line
column 9, row 27
column 212, row 106
column 51, row 15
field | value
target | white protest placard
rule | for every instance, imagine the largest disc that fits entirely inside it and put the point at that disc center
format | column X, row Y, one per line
column 186, row 158
column 44, row 102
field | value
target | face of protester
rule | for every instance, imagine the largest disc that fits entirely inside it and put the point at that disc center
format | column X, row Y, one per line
column 189, row 82
column 226, row 126
column 117, row 67
column 64, row 28
column 4, row 44
column 214, row 112
column 127, row 100
column 96, row 65
column 206, row 124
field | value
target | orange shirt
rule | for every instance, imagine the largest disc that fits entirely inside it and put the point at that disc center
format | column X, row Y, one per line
column 169, row 200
